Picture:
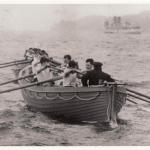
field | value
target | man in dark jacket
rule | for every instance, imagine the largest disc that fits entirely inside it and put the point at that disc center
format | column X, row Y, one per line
column 89, row 64
column 96, row 76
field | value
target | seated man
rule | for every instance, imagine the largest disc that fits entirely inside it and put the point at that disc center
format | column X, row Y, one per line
column 44, row 72
column 70, row 75
column 89, row 64
column 44, row 53
column 29, row 54
column 96, row 76
column 67, row 59
column 36, row 62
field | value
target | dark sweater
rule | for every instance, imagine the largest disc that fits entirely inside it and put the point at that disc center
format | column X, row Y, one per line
column 95, row 77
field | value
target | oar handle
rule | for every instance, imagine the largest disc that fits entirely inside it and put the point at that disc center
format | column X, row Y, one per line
column 140, row 94
column 131, row 101
column 4, row 83
column 54, row 62
column 30, row 85
column 61, row 70
column 24, row 62
column 115, row 83
column 137, row 97
column 24, row 77
column 39, row 71
column 15, row 61
column 56, row 68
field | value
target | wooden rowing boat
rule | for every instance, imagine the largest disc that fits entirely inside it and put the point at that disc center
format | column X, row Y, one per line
column 99, row 103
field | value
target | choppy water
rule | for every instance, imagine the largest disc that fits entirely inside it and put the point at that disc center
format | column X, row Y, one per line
column 126, row 57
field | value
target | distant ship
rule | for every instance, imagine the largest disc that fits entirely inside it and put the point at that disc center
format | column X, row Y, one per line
column 116, row 26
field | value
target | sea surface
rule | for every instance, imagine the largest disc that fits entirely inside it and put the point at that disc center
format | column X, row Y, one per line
column 125, row 56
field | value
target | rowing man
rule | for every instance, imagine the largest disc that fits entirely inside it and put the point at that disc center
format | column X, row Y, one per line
column 67, row 59
column 89, row 64
column 29, row 54
column 36, row 63
column 46, row 73
column 96, row 76
column 70, row 74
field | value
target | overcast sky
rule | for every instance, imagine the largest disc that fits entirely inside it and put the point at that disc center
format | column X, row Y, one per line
column 42, row 17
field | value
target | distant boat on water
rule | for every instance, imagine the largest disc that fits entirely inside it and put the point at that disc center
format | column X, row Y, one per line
column 117, row 26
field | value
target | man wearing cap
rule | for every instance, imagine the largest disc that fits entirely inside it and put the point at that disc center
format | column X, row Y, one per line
column 96, row 76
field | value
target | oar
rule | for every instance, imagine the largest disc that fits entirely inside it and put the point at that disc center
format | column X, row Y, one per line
column 61, row 70
column 57, row 69
column 30, row 85
column 127, row 83
column 137, row 93
column 14, row 80
column 9, row 65
column 15, row 61
column 50, row 62
column 137, row 105
column 131, row 101
column 52, row 68
column 137, row 97
column 24, row 77
column 55, row 62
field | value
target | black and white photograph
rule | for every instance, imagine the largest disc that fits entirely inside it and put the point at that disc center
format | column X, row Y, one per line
column 74, row 75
